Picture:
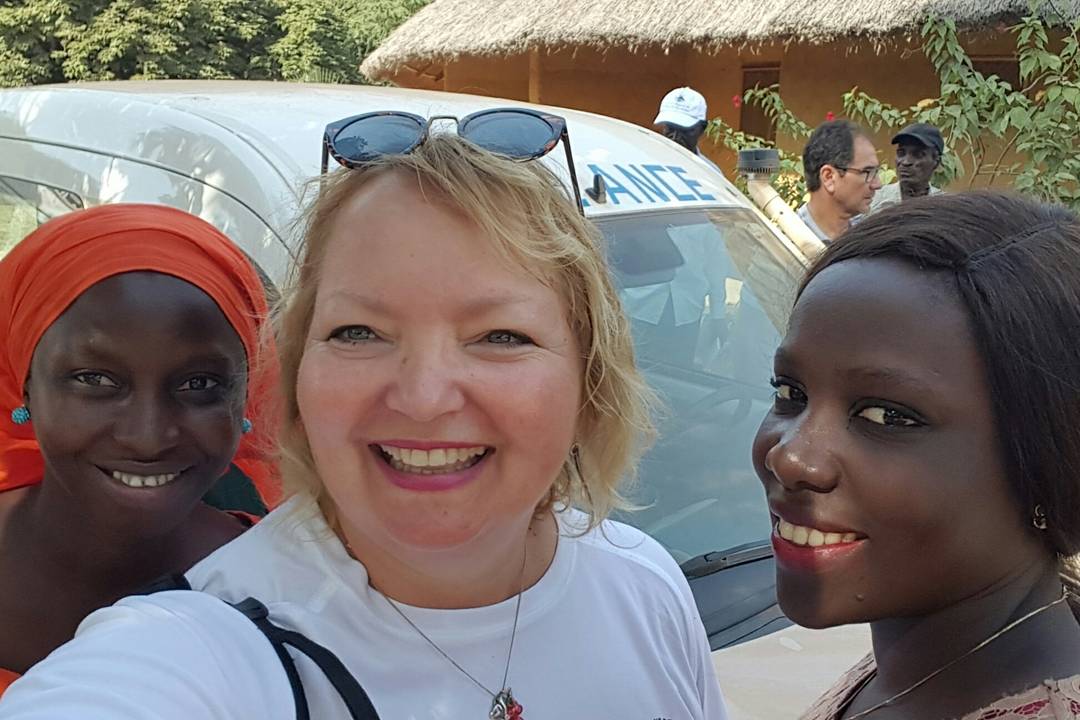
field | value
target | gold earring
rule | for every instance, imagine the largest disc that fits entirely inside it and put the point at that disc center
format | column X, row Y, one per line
column 1039, row 520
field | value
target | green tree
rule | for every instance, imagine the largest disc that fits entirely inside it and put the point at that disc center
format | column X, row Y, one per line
column 28, row 43
column 326, row 40
column 992, row 130
column 316, row 40
column 152, row 39
column 370, row 21
column 315, row 44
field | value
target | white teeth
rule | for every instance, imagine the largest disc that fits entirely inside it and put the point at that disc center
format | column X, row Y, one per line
column 811, row 537
column 430, row 462
column 138, row 481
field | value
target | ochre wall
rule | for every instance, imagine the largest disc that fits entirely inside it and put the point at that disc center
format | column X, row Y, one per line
column 628, row 84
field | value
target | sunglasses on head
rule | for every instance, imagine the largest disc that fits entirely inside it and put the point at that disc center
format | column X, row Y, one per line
column 517, row 133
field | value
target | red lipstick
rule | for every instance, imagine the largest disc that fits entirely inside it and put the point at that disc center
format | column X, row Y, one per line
column 803, row 558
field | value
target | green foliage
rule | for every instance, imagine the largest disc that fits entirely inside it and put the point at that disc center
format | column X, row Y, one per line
column 152, row 39
column 370, row 22
column 315, row 39
column 992, row 130
column 312, row 40
column 28, row 44
column 788, row 181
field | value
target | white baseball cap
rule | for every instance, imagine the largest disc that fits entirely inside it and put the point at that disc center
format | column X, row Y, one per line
column 683, row 106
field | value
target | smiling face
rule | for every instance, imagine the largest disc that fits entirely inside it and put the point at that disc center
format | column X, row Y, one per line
column 137, row 394
column 439, row 387
column 880, row 458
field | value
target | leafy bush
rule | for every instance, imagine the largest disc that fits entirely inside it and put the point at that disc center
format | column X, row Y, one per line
column 317, row 40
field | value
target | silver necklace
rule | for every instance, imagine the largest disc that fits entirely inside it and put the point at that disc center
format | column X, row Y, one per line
column 503, row 704
column 946, row 666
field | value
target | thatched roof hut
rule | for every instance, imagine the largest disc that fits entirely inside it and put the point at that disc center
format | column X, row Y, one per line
column 448, row 29
column 619, row 57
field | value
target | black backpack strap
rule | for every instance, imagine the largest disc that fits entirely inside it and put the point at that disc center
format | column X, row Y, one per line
column 168, row 582
column 356, row 699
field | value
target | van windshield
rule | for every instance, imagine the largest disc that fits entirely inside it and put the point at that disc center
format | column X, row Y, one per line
column 707, row 292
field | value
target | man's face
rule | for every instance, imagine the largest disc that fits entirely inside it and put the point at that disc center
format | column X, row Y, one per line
column 853, row 189
column 685, row 136
column 915, row 164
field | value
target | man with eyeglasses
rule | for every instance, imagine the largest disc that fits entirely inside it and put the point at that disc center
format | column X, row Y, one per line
column 919, row 148
column 842, row 168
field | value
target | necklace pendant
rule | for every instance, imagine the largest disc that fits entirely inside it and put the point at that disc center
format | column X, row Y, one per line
column 505, row 707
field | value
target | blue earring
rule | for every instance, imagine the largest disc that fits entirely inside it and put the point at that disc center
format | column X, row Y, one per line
column 245, row 425
column 20, row 415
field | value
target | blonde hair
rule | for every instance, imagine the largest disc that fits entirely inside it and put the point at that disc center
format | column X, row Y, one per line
column 524, row 209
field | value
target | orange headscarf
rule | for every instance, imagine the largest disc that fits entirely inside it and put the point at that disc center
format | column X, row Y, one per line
column 63, row 258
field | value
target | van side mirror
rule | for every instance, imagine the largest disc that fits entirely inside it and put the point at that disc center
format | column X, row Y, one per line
column 758, row 163
column 598, row 192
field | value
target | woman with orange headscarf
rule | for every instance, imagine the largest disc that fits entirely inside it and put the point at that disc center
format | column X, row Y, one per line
column 131, row 379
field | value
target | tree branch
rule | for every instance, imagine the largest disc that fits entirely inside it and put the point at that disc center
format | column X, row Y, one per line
column 1001, row 158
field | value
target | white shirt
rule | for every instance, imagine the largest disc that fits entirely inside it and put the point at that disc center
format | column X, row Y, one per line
column 701, row 275
column 890, row 195
column 804, row 214
column 610, row 631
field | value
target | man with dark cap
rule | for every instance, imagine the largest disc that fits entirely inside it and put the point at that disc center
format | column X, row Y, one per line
column 919, row 148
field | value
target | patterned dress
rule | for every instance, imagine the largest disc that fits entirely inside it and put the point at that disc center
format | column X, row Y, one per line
column 1052, row 700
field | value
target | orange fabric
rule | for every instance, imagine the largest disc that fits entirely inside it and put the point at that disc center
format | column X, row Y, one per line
column 46, row 272
column 6, row 678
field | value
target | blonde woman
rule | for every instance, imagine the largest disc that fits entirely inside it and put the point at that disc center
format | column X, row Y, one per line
column 458, row 375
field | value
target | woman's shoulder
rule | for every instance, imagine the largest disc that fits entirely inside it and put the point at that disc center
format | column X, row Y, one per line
column 623, row 551
column 209, row 530
column 226, row 662
column 285, row 555
column 1052, row 700
column 831, row 704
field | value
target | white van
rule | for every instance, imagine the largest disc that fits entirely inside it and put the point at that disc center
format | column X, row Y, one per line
column 705, row 278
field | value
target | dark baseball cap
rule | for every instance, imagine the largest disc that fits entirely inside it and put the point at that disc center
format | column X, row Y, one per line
column 922, row 133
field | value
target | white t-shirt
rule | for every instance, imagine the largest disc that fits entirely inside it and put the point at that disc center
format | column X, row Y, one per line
column 891, row 195
column 610, row 631
column 804, row 214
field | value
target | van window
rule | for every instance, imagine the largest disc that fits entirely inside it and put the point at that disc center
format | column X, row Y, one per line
column 707, row 292
column 26, row 205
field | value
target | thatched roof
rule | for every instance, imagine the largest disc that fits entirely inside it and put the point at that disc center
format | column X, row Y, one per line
column 446, row 29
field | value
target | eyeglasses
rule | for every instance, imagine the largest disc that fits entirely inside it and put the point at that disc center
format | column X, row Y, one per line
column 869, row 174
column 516, row 133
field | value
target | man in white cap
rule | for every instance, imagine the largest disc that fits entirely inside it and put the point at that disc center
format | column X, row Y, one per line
column 682, row 119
